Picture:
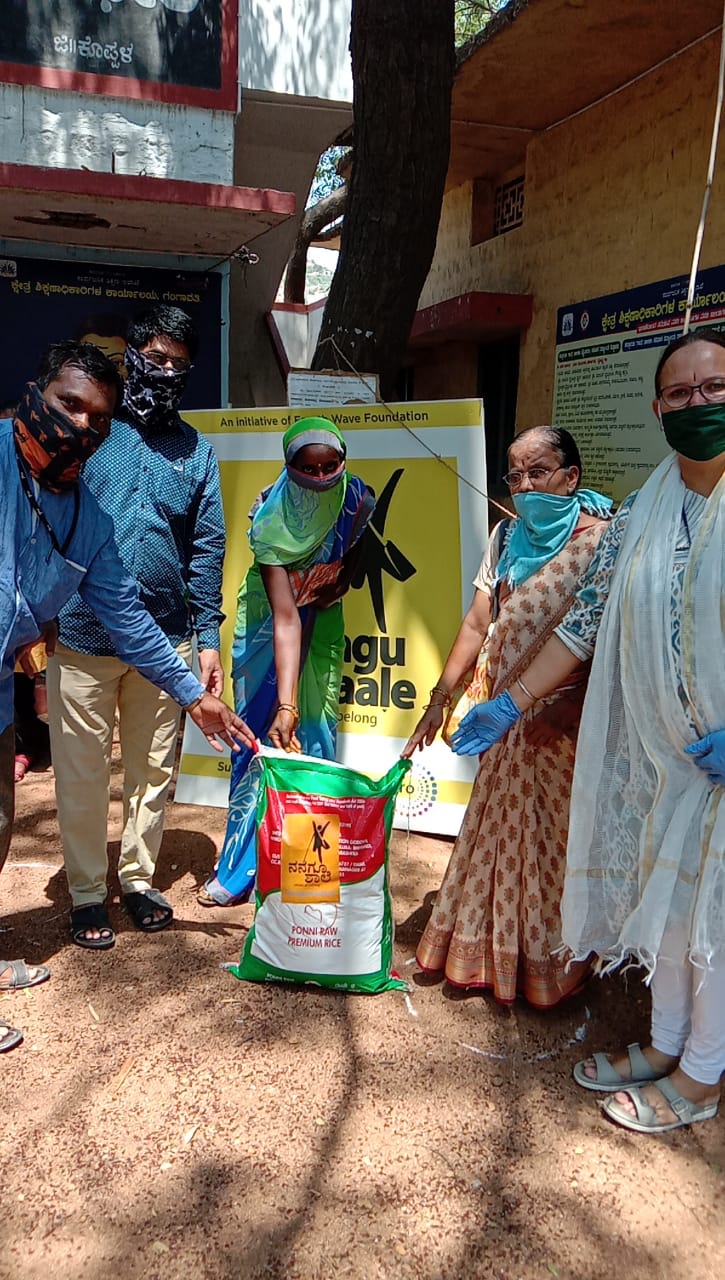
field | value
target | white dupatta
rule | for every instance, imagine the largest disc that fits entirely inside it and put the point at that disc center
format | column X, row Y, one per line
column 646, row 854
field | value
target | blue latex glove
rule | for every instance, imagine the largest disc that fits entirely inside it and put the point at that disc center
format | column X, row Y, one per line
column 709, row 755
column 484, row 725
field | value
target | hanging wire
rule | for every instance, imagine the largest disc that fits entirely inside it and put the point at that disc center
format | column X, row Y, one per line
column 708, row 183
column 443, row 461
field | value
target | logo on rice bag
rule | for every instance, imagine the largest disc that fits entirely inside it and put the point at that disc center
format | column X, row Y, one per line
column 310, row 857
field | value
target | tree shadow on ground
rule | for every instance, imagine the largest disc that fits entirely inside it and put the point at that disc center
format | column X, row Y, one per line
column 330, row 1134
column 300, row 1221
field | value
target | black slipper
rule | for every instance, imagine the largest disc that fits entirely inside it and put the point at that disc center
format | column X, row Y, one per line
column 141, row 907
column 92, row 916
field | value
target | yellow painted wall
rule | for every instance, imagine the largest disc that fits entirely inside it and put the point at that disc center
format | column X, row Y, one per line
column 612, row 202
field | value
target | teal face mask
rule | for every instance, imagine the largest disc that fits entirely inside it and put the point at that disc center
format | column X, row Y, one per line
column 545, row 514
column 545, row 524
column 697, row 432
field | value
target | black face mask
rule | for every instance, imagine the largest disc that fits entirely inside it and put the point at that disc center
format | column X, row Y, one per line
column 152, row 395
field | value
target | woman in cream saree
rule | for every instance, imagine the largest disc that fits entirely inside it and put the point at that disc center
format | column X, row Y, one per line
column 495, row 922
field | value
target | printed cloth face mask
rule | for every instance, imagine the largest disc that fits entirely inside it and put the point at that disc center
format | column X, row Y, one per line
column 50, row 443
column 151, row 394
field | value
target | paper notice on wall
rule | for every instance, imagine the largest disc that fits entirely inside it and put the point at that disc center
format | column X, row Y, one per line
column 606, row 355
column 308, row 389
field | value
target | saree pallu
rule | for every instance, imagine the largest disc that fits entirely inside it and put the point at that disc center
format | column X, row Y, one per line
column 255, row 681
column 496, row 921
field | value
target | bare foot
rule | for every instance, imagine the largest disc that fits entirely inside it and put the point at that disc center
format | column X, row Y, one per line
column 661, row 1062
column 689, row 1088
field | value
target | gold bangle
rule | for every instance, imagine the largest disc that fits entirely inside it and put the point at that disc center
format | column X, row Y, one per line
column 445, row 695
column 195, row 703
column 289, row 706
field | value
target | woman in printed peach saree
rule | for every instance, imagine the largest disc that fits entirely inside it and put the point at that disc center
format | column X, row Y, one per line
column 495, row 922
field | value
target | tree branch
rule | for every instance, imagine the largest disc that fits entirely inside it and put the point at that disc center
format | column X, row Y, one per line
column 314, row 221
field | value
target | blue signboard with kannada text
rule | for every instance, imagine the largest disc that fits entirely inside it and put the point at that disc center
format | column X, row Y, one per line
column 607, row 350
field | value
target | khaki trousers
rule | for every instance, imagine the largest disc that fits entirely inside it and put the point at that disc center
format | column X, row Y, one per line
column 84, row 692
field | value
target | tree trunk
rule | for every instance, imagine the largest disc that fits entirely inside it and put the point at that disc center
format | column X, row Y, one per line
column 402, row 66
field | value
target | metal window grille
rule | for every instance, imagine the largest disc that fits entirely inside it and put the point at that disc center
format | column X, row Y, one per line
column 508, row 206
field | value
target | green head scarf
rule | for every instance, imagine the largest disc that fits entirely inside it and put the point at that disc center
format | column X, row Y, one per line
column 312, row 431
column 292, row 522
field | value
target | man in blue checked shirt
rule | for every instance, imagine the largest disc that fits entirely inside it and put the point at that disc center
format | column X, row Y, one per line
column 158, row 480
column 54, row 540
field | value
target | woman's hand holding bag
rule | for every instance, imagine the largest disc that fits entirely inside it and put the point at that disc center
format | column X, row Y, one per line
column 426, row 729
column 282, row 731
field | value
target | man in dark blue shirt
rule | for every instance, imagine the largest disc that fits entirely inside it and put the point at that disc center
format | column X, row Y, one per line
column 158, row 480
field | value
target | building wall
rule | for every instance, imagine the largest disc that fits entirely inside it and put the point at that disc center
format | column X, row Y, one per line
column 279, row 141
column 612, row 201
column 295, row 76
column 297, row 47
column 59, row 130
column 296, row 90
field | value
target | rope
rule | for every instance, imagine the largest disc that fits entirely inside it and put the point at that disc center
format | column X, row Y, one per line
column 708, row 184
column 379, row 400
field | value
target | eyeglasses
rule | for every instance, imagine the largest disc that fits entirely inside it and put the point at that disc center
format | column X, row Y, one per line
column 515, row 479
column 161, row 360
column 678, row 397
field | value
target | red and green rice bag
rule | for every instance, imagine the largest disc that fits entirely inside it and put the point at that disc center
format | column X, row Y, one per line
column 323, row 911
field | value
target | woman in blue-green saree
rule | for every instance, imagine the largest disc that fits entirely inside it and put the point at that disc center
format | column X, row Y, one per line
column 289, row 637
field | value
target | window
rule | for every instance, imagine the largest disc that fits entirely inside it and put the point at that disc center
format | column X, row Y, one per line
column 497, row 205
column 508, row 207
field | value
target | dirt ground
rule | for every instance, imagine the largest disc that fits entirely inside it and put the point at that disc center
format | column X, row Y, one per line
column 165, row 1120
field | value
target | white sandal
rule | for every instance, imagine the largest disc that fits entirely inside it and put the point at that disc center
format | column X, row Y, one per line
column 608, row 1079
column 646, row 1120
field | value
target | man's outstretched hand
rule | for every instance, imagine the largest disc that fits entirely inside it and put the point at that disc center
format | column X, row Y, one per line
column 217, row 721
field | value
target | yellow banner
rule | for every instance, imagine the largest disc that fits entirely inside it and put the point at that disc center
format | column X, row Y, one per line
column 426, row 464
column 369, row 416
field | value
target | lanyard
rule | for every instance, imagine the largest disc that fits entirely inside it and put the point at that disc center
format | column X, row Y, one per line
column 30, row 495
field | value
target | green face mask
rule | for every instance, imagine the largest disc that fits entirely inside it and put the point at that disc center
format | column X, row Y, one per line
column 697, row 432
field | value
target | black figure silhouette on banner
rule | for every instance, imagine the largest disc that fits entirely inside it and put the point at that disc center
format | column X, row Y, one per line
column 382, row 556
